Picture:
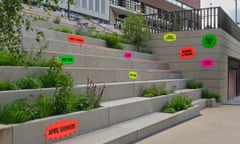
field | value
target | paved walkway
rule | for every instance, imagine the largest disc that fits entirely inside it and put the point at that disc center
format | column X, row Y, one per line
column 220, row 125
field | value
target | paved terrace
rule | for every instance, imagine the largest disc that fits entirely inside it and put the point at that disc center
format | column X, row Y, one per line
column 220, row 125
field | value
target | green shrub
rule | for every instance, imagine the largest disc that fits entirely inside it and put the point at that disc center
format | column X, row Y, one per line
column 156, row 91
column 112, row 40
column 207, row 94
column 55, row 77
column 177, row 104
column 57, row 20
column 10, row 59
column 119, row 46
column 29, row 83
column 64, row 30
column 6, row 85
column 17, row 112
column 194, row 85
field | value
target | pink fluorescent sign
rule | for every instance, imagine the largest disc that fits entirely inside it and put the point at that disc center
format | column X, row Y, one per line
column 128, row 55
column 207, row 62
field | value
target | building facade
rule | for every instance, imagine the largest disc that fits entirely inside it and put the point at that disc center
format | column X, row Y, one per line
column 110, row 11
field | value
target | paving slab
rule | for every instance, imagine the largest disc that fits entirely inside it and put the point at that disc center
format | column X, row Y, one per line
column 219, row 125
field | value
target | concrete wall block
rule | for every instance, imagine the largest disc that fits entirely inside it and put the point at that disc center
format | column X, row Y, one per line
column 126, row 139
column 113, row 92
column 161, row 125
column 187, row 114
column 34, row 131
column 159, row 101
column 6, row 135
column 13, row 73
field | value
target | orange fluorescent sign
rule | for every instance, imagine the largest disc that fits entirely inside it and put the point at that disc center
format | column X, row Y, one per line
column 76, row 39
column 187, row 52
column 61, row 129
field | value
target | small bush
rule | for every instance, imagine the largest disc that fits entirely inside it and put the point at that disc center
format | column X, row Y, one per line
column 6, row 85
column 57, row 20
column 55, row 78
column 112, row 40
column 119, row 46
column 207, row 94
column 17, row 112
column 29, row 83
column 156, row 91
column 194, row 85
column 10, row 59
column 64, row 30
column 177, row 104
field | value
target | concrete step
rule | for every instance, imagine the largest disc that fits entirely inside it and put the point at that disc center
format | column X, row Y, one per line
column 113, row 91
column 132, row 130
column 99, row 75
column 94, row 61
column 92, row 47
column 129, row 108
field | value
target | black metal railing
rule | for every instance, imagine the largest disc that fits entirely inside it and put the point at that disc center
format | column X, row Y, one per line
column 196, row 19
column 184, row 20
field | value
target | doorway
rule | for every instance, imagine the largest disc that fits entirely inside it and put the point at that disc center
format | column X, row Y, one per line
column 233, row 78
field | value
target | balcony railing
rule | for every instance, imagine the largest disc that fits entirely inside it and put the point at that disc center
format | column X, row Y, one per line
column 196, row 19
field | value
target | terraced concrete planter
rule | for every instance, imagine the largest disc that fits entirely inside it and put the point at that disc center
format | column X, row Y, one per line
column 34, row 132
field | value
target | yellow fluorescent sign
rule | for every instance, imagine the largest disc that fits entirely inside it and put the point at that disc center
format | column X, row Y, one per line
column 132, row 75
column 169, row 37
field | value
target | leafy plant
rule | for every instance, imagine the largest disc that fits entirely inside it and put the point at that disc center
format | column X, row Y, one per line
column 176, row 104
column 56, row 77
column 156, row 91
column 194, row 85
column 20, row 111
column 57, row 20
column 93, row 94
column 207, row 94
column 6, row 85
column 29, row 83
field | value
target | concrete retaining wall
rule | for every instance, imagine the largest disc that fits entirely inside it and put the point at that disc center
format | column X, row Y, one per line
column 216, row 77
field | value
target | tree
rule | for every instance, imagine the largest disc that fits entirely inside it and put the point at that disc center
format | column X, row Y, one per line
column 12, row 20
column 135, row 29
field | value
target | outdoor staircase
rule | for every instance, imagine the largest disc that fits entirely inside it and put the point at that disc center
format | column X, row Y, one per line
column 124, row 117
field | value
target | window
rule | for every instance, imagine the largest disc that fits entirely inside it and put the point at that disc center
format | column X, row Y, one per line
column 91, row 4
column 97, row 5
column 84, row 3
column 103, row 6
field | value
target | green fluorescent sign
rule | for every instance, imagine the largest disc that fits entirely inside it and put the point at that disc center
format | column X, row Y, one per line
column 67, row 59
column 133, row 75
column 209, row 41
column 169, row 37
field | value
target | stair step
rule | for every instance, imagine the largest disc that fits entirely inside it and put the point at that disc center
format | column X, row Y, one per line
column 113, row 90
column 133, row 130
column 12, row 73
column 93, row 47
column 85, row 60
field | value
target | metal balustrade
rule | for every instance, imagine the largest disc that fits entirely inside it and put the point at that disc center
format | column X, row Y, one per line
column 189, row 20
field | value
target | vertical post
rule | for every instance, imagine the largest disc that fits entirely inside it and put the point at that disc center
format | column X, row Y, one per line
column 236, row 11
column 68, row 4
